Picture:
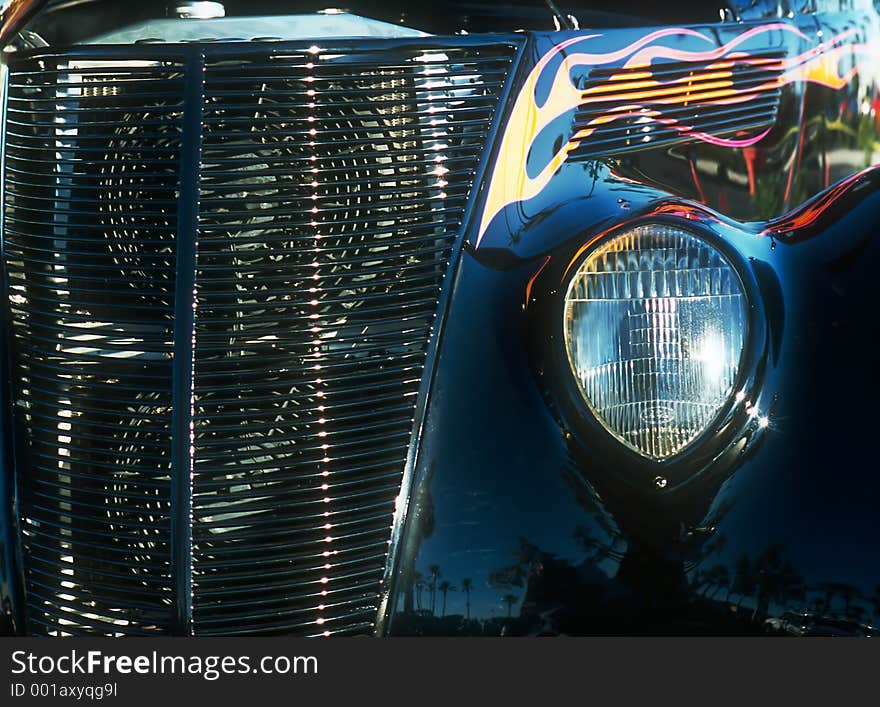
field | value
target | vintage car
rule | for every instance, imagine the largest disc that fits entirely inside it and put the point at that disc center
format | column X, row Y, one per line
column 453, row 318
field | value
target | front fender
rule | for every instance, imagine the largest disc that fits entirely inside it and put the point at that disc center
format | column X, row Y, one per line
column 518, row 524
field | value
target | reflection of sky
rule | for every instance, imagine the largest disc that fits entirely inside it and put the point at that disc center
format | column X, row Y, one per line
column 499, row 461
column 481, row 542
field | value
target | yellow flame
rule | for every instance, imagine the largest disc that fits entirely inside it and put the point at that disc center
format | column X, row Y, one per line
column 509, row 182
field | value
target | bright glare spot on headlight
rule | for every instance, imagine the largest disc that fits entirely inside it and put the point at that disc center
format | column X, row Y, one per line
column 654, row 328
column 711, row 353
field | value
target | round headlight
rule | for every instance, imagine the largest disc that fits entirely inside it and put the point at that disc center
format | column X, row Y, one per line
column 655, row 324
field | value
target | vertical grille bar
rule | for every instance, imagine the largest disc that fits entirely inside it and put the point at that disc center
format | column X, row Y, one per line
column 11, row 560
column 183, row 395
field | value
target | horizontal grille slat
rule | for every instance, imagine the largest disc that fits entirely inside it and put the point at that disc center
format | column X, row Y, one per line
column 104, row 582
column 282, row 545
column 331, row 188
column 352, row 531
column 96, row 555
column 293, row 169
column 259, row 606
column 637, row 107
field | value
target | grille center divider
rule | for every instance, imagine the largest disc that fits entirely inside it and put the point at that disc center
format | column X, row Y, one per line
column 225, row 265
column 185, row 305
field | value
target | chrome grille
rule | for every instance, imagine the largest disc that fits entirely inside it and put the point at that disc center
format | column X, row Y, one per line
column 331, row 187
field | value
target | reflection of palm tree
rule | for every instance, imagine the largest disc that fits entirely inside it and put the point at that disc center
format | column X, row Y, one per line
column 849, row 594
column 776, row 580
column 445, row 587
column 719, row 578
column 435, row 575
column 510, row 600
column 855, row 613
column 828, row 597
column 515, row 575
column 466, row 586
column 743, row 579
column 596, row 550
column 419, row 582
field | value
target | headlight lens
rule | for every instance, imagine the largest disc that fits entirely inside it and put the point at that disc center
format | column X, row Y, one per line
column 655, row 323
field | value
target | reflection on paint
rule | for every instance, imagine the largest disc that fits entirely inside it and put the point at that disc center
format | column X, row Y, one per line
column 630, row 93
column 802, row 220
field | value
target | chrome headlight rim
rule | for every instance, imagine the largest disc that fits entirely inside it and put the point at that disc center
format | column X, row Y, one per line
column 585, row 427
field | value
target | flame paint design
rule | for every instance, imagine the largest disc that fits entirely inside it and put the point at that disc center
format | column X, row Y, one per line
column 627, row 93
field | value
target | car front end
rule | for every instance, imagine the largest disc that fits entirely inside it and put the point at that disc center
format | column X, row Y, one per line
column 461, row 320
